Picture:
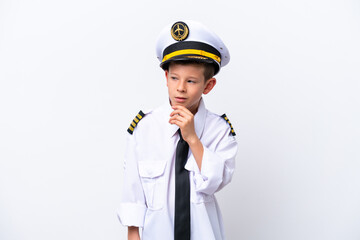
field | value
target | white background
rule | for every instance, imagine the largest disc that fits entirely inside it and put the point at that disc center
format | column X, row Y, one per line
column 74, row 73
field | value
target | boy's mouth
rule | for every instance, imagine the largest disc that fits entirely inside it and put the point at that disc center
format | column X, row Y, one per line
column 180, row 99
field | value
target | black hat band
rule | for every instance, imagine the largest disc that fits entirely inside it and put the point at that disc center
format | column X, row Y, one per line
column 191, row 48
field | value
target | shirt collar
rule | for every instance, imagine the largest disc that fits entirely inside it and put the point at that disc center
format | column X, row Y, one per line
column 199, row 118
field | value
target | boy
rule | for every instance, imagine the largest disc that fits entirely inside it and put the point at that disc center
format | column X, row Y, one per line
column 180, row 154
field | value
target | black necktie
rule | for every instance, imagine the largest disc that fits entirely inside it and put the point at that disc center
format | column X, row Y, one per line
column 182, row 192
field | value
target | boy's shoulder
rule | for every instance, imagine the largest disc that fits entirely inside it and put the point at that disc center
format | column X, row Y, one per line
column 140, row 116
column 145, row 118
column 221, row 120
column 232, row 131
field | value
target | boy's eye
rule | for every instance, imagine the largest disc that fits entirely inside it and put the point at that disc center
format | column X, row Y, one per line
column 191, row 81
column 173, row 78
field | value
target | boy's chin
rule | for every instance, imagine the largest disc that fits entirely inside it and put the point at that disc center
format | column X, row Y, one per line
column 176, row 103
column 192, row 109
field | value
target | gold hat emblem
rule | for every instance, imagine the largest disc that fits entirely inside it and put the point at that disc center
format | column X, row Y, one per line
column 179, row 31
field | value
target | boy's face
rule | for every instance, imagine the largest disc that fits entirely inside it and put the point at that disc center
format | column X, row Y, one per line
column 186, row 84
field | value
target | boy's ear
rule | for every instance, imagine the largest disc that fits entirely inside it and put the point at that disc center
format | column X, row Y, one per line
column 166, row 76
column 210, row 84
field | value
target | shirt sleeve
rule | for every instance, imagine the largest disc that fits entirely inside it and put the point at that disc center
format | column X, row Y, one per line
column 217, row 167
column 132, row 207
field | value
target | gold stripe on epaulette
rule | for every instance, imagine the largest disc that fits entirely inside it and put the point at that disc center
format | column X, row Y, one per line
column 228, row 121
column 134, row 122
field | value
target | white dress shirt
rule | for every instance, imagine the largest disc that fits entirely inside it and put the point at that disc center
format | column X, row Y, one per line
column 149, row 175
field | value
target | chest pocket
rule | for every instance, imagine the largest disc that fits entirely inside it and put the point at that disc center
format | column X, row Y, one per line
column 153, row 181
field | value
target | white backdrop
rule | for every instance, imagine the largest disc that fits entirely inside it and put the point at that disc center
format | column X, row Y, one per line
column 73, row 74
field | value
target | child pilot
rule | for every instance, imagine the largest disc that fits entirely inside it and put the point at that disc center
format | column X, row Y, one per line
column 180, row 154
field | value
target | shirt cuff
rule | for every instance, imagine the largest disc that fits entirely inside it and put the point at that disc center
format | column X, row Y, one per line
column 132, row 214
column 192, row 167
column 209, row 178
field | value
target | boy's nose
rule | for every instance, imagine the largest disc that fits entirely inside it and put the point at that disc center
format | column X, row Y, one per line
column 181, row 87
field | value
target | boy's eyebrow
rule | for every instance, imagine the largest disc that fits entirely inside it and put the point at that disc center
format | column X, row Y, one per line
column 192, row 77
column 172, row 73
column 189, row 77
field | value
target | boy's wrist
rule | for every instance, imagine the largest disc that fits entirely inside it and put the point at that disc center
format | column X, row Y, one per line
column 197, row 150
column 133, row 233
column 193, row 141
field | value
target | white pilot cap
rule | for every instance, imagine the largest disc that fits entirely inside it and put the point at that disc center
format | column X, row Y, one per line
column 190, row 40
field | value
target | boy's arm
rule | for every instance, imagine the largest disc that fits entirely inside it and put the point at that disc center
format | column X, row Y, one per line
column 218, row 164
column 214, row 167
column 132, row 207
column 133, row 233
column 197, row 150
column 182, row 117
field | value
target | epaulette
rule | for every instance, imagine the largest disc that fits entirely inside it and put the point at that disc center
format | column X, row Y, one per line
column 228, row 121
column 134, row 122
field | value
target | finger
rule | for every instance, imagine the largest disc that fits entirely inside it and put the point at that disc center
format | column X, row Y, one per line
column 177, row 112
column 177, row 122
column 179, row 118
column 181, row 112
